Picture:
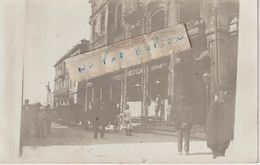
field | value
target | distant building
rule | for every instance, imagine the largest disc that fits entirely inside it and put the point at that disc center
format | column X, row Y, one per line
column 64, row 89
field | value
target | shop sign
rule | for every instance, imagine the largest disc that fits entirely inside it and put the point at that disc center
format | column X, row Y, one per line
column 128, row 53
column 156, row 67
column 134, row 71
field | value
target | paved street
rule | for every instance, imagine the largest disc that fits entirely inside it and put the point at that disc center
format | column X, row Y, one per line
column 75, row 145
column 159, row 152
column 76, row 135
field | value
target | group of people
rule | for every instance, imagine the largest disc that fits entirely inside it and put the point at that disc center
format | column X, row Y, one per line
column 36, row 119
column 101, row 119
column 218, row 123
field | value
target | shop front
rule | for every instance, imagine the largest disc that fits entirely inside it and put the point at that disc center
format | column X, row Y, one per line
column 158, row 87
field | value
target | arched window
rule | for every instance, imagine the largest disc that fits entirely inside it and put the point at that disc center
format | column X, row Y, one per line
column 158, row 20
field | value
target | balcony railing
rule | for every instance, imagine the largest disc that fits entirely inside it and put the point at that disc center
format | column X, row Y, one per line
column 195, row 22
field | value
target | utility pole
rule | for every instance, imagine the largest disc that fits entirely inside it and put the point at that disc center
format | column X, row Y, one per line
column 21, row 124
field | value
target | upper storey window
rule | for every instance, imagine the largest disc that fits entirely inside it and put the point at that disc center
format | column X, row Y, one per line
column 102, row 22
column 158, row 21
column 119, row 16
column 94, row 28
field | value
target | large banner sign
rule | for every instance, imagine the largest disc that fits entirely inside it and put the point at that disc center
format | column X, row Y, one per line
column 128, row 53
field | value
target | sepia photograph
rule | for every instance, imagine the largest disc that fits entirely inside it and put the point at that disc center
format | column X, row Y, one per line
column 131, row 81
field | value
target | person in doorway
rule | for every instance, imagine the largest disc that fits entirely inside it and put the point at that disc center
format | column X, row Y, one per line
column 99, row 119
column 184, row 117
column 128, row 121
column 219, row 123
column 158, row 103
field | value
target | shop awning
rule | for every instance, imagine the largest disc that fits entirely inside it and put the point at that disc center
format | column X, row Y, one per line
column 128, row 53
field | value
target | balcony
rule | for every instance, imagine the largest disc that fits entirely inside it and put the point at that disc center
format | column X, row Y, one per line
column 195, row 25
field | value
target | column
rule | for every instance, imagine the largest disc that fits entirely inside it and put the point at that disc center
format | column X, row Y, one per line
column 171, row 77
column 110, row 91
column 144, row 108
column 123, row 101
column 86, row 99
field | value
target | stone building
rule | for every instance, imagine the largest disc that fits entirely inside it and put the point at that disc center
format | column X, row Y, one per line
column 64, row 89
column 212, row 28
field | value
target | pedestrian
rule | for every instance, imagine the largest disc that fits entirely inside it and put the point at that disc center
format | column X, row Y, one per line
column 128, row 121
column 25, row 118
column 162, row 109
column 43, row 117
column 35, row 114
column 48, row 120
column 184, row 117
column 99, row 119
column 158, row 102
column 219, row 123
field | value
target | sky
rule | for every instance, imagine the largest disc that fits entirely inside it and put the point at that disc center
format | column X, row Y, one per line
column 52, row 28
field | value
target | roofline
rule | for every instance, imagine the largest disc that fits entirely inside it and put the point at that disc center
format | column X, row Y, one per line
column 66, row 55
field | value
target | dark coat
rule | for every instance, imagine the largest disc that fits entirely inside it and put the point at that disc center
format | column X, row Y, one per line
column 98, row 116
column 184, row 116
column 219, row 126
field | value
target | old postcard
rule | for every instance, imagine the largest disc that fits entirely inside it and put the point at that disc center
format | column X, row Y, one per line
column 136, row 81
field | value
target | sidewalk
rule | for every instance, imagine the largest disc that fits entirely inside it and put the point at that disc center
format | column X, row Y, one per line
column 197, row 131
column 121, row 153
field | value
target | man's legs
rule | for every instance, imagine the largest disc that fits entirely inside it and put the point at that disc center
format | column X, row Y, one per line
column 96, row 127
column 180, row 136
column 130, row 132
column 187, row 140
column 103, row 131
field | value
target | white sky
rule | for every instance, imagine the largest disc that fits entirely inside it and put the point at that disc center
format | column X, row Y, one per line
column 52, row 27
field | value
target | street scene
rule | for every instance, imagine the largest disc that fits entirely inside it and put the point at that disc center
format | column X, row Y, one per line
column 171, row 100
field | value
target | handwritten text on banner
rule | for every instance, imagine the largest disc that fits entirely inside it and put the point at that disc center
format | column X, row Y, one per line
column 128, row 53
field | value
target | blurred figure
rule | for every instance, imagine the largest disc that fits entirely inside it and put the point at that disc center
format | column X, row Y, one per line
column 43, row 118
column 162, row 109
column 158, row 103
column 184, row 119
column 219, row 123
column 48, row 120
column 99, row 120
column 25, row 117
column 36, row 111
column 128, row 121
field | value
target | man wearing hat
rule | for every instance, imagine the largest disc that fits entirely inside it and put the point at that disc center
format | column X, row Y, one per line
column 184, row 117
column 219, row 123
column 99, row 118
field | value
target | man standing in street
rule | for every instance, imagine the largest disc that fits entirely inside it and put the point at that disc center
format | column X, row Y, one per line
column 184, row 119
column 219, row 123
column 48, row 120
column 42, row 123
column 25, row 118
column 99, row 119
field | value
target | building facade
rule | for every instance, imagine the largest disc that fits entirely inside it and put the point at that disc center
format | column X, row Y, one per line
column 212, row 27
column 66, row 91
